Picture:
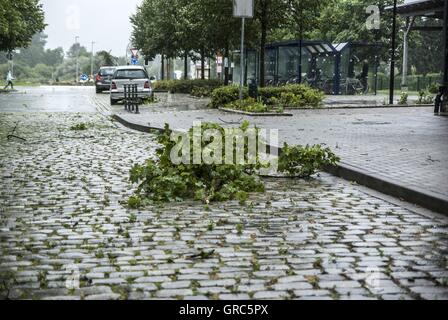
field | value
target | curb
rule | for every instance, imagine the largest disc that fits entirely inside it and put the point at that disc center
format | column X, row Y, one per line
column 136, row 127
column 423, row 198
column 256, row 114
column 366, row 106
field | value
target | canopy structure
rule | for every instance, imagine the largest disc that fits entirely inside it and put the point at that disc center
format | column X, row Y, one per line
column 430, row 9
column 321, row 64
column 422, row 8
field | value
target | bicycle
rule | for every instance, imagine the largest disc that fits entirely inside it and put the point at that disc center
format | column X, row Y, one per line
column 354, row 86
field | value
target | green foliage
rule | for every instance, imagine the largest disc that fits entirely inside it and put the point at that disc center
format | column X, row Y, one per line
column 288, row 100
column 162, row 181
column 187, row 86
column 225, row 95
column 297, row 95
column 106, row 58
column 303, row 162
column 425, row 97
column 433, row 88
column 8, row 279
column 19, row 21
column 134, row 202
column 178, row 27
column 288, row 96
column 403, row 98
column 201, row 92
column 79, row 127
column 249, row 105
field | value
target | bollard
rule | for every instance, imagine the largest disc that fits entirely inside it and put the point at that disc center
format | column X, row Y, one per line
column 131, row 100
column 136, row 99
column 125, row 97
column 253, row 89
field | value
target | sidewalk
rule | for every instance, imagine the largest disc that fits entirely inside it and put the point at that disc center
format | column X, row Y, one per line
column 399, row 148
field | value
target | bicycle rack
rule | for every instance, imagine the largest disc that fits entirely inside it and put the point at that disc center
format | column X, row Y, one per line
column 131, row 99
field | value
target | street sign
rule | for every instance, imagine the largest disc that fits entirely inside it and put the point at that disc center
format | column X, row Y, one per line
column 84, row 77
column 134, row 61
column 134, row 52
column 243, row 8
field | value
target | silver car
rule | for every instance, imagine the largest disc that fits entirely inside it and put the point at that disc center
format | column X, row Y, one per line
column 130, row 75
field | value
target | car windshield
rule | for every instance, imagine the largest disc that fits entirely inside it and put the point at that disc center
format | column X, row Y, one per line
column 130, row 74
column 107, row 72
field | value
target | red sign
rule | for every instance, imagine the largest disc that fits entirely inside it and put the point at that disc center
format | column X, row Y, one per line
column 134, row 52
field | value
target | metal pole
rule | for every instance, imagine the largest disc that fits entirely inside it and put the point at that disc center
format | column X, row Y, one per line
column 77, row 62
column 242, row 59
column 91, row 61
column 392, row 56
column 409, row 25
column 444, row 88
column 128, row 47
column 300, row 43
column 445, row 47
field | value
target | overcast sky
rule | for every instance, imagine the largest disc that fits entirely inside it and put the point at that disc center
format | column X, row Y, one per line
column 104, row 21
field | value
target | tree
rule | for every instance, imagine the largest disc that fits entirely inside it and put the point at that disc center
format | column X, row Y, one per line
column 76, row 50
column 151, row 31
column 54, row 57
column 19, row 21
column 106, row 58
column 175, row 28
column 270, row 14
column 35, row 53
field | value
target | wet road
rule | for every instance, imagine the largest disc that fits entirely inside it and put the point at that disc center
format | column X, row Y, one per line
column 49, row 99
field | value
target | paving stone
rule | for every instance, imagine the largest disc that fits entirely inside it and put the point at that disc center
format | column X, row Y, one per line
column 58, row 226
column 173, row 293
column 273, row 295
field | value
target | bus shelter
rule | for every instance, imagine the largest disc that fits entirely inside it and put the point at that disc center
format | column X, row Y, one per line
column 333, row 68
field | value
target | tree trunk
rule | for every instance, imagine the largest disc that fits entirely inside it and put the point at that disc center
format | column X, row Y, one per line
column 202, row 63
column 264, row 26
column 186, row 65
column 163, row 68
column 226, row 68
column 167, row 68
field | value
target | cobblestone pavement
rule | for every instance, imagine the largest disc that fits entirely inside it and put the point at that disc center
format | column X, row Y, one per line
column 406, row 145
column 62, row 220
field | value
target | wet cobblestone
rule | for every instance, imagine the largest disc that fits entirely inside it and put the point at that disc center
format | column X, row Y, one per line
column 62, row 221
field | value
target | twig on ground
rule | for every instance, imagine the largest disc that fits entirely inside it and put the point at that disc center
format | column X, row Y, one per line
column 231, row 122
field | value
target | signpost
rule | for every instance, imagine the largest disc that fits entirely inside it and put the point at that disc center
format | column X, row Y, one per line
column 84, row 78
column 243, row 9
column 134, row 57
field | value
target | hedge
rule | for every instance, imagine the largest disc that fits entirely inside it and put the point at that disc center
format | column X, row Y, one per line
column 289, row 96
column 197, row 86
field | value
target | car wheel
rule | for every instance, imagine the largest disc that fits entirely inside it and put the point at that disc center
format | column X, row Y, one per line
column 98, row 90
column 113, row 102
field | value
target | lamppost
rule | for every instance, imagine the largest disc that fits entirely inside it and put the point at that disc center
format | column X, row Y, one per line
column 128, row 47
column 91, row 61
column 77, row 58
